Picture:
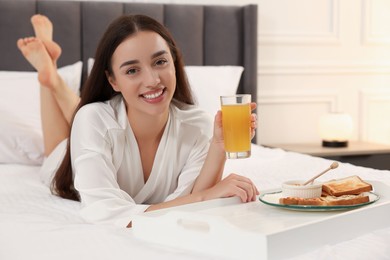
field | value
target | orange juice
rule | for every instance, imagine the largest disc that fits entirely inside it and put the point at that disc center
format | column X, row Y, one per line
column 236, row 127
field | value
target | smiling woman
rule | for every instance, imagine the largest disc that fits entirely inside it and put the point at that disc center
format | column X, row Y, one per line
column 137, row 141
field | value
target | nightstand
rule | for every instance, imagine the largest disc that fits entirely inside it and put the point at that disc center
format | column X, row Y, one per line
column 365, row 154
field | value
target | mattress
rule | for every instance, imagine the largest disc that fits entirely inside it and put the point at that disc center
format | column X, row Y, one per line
column 35, row 224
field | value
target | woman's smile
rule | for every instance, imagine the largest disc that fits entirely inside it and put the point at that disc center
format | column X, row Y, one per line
column 154, row 96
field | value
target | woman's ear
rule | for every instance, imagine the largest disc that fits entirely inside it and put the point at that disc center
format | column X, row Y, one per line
column 112, row 81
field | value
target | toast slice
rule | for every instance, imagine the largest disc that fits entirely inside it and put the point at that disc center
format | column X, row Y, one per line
column 351, row 185
column 327, row 200
column 346, row 200
column 302, row 201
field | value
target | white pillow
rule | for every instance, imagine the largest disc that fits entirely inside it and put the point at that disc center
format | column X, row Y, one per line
column 19, row 143
column 208, row 83
column 90, row 64
column 20, row 119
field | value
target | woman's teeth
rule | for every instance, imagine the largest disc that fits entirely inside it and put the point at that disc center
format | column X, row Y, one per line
column 154, row 95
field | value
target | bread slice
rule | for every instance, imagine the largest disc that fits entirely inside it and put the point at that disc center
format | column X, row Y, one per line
column 302, row 201
column 351, row 185
column 327, row 200
column 346, row 200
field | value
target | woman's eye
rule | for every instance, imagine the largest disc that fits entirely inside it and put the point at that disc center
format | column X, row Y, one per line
column 131, row 71
column 161, row 62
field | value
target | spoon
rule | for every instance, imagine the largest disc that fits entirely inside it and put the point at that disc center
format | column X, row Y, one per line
column 334, row 165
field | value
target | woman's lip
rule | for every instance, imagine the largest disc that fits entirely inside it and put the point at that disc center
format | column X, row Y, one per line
column 153, row 96
column 152, row 93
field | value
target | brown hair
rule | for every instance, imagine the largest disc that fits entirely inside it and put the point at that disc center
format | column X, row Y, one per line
column 98, row 89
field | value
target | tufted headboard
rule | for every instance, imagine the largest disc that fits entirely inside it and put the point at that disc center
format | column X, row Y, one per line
column 206, row 34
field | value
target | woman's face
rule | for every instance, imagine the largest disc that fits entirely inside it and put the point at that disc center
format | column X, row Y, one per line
column 144, row 72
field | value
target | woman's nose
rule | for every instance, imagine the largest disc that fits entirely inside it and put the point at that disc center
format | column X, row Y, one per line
column 152, row 77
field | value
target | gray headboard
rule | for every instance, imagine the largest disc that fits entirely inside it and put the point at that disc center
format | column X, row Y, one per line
column 206, row 34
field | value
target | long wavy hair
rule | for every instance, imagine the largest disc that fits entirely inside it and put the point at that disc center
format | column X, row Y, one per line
column 98, row 89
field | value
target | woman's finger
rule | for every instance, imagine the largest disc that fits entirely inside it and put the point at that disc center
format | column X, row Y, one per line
column 254, row 191
column 253, row 106
column 247, row 188
column 240, row 186
column 241, row 193
column 253, row 118
column 246, row 184
column 253, row 124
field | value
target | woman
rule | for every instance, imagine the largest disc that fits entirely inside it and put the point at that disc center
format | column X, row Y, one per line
column 137, row 142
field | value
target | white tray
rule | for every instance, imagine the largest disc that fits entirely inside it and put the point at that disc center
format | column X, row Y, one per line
column 228, row 228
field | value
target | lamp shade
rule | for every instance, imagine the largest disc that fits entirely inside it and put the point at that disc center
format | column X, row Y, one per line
column 335, row 129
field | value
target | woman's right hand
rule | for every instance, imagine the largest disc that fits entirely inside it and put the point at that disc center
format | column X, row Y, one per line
column 233, row 185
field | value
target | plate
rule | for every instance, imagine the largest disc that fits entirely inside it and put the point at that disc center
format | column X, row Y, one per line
column 272, row 199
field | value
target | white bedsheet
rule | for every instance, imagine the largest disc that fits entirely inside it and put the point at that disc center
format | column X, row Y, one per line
column 37, row 225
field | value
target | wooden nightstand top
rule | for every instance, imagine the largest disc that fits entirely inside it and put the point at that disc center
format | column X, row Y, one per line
column 354, row 148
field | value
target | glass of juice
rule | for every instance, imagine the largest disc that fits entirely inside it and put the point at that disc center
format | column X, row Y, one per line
column 236, row 122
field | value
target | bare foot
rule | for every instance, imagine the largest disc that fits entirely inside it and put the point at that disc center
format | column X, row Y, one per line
column 35, row 52
column 43, row 29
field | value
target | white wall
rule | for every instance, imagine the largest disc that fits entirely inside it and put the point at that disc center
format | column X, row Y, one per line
column 319, row 56
column 323, row 56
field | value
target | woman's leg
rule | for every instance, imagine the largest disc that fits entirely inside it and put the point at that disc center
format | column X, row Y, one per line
column 67, row 100
column 43, row 29
column 54, row 125
column 58, row 101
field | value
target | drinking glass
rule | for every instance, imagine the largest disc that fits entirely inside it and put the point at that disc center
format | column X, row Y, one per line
column 236, row 124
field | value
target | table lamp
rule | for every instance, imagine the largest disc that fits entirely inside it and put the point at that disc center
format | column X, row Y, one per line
column 335, row 129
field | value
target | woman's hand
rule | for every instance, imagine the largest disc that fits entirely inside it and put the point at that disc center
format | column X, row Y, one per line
column 233, row 185
column 253, row 120
column 218, row 133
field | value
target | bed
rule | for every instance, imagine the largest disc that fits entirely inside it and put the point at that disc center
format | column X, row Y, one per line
column 218, row 42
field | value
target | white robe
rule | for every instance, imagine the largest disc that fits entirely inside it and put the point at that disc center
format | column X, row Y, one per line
column 107, row 166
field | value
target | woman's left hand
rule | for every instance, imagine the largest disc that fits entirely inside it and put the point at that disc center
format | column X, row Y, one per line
column 232, row 185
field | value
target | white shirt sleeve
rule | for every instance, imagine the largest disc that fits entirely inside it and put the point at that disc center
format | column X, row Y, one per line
column 94, row 170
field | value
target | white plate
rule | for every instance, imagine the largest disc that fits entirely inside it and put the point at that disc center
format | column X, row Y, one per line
column 272, row 199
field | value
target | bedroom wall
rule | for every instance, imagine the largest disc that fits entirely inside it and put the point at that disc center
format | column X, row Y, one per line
column 323, row 56
column 316, row 57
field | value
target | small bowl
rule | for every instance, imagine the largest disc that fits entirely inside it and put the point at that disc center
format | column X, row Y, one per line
column 296, row 189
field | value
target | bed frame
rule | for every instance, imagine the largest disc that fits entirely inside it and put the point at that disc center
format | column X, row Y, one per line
column 206, row 34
